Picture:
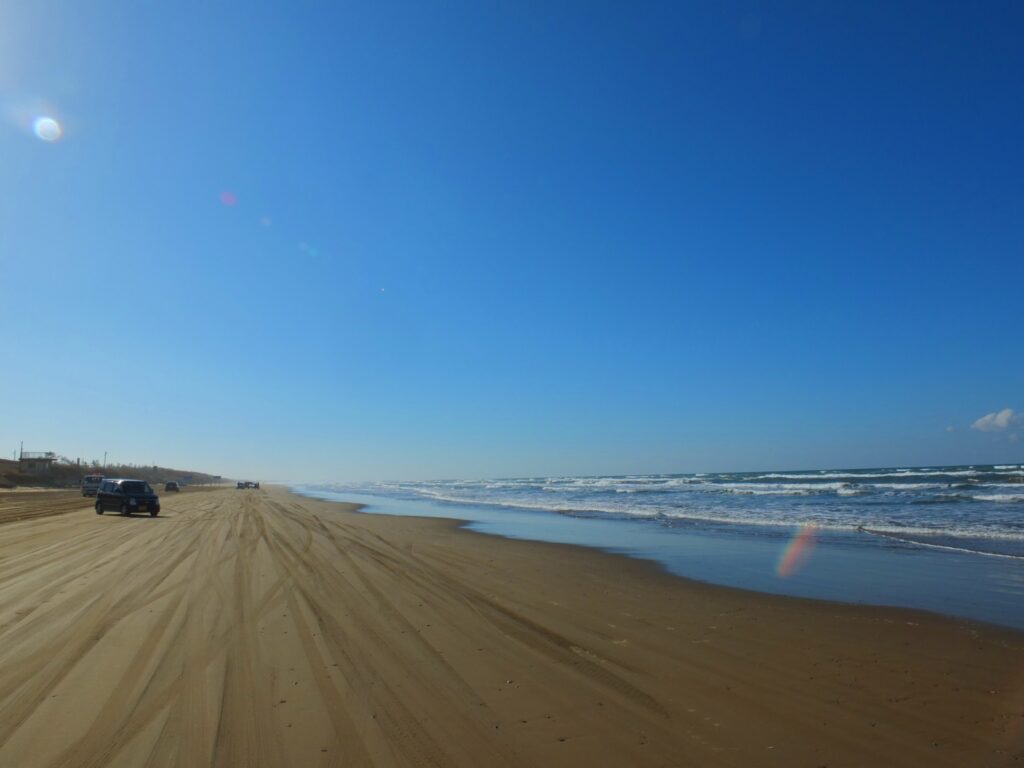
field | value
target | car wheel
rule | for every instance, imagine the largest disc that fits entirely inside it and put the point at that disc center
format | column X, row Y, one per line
column 99, row 508
column 125, row 511
column 153, row 512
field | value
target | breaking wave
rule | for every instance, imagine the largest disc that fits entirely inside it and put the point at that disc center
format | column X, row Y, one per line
column 961, row 505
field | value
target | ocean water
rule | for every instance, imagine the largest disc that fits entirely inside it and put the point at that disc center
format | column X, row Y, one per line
column 978, row 508
column 945, row 539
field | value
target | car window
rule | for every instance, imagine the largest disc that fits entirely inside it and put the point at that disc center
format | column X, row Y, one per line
column 136, row 486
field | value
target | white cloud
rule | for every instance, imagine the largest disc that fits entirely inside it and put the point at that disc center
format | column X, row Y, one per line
column 993, row 422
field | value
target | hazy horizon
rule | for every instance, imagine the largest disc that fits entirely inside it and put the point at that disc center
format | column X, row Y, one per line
column 270, row 478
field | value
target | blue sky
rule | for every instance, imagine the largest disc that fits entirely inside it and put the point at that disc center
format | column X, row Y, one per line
column 319, row 241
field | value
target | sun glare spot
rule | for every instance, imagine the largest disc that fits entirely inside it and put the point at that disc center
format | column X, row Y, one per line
column 47, row 129
column 229, row 198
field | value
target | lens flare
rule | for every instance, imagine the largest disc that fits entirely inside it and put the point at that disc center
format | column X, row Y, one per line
column 47, row 129
column 797, row 552
column 229, row 198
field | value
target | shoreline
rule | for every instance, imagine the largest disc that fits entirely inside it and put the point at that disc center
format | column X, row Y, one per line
column 265, row 628
column 849, row 567
column 900, row 613
column 861, row 629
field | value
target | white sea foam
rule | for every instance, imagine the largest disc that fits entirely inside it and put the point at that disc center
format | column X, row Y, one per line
column 908, row 486
column 604, row 509
column 857, row 475
column 947, row 547
column 825, row 517
column 928, row 500
column 784, row 489
column 851, row 491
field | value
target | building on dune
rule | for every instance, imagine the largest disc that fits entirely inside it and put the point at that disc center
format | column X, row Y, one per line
column 37, row 464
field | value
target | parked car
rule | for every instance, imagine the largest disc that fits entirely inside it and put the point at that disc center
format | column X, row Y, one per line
column 127, row 497
column 171, row 486
column 91, row 484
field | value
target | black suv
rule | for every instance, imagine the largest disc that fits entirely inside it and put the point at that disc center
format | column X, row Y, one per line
column 127, row 496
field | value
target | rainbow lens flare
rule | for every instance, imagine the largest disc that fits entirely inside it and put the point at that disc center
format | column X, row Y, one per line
column 798, row 551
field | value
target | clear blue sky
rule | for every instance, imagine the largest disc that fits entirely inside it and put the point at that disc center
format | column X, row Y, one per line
column 319, row 241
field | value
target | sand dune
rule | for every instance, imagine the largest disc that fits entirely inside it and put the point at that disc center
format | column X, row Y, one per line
column 255, row 628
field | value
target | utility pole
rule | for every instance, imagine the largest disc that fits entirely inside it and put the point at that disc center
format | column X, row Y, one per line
column 104, row 459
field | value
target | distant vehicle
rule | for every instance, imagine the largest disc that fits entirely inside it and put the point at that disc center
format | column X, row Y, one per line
column 127, row 497
column 91, row 484
column 241, row 484
column 171, row 486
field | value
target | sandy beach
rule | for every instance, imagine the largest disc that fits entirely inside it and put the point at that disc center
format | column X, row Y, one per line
column 258, row 628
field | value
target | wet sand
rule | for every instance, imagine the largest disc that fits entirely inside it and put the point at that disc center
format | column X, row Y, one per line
column 258, row 628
